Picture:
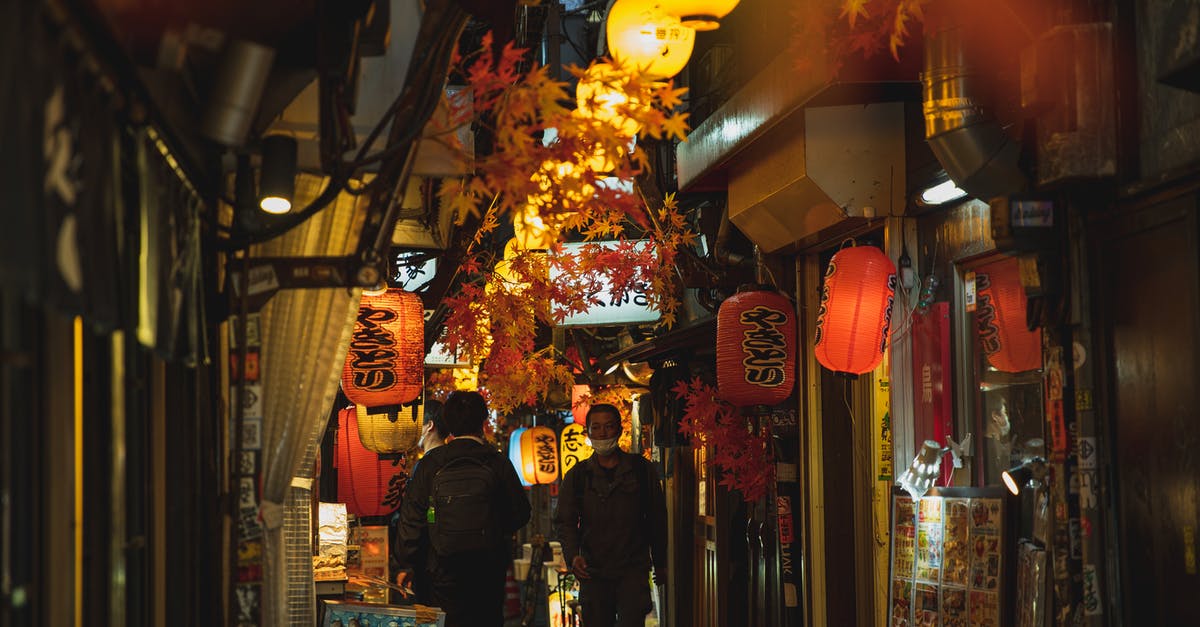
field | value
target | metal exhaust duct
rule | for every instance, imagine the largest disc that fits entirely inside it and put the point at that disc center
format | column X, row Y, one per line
column 975, row 151
column 241, row 78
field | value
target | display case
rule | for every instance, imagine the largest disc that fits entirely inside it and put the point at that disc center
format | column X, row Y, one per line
column 951, row 558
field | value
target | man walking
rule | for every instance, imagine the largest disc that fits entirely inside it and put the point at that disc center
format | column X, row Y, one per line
column 612, row 521
column 462, row 505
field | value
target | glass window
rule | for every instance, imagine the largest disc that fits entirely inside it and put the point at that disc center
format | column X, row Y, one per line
column 1007, row 364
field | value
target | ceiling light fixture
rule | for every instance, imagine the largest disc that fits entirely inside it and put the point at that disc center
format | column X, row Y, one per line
column 942, row 193
column 277, row 178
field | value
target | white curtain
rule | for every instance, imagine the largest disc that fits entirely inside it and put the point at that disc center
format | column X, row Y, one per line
column 306, row 333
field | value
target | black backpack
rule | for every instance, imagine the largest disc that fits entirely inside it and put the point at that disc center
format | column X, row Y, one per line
column 461, row 507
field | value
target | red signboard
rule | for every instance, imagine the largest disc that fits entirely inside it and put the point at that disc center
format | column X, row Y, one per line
column 931, row 377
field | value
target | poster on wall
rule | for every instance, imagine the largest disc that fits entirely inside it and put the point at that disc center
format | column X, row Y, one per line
column 947, row 559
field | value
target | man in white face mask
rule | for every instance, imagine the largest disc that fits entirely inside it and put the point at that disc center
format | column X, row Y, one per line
column 612, row 522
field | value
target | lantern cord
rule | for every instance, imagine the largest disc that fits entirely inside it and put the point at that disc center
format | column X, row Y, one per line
column 864, row 463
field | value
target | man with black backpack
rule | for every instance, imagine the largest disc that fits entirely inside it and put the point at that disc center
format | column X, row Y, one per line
column 461, row 507
column 612, row 520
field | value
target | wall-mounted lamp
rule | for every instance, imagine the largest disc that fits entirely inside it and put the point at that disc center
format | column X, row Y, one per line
column 1031, row 472
column 927, row 465
column 277, row 178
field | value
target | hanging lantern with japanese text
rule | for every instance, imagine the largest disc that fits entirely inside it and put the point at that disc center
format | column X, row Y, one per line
column 640, row 33
column 1004, row 338
column 514, row 454
column 391, row 431
column 856, row 310
column 385, row 365
column 539, row 455
column 756, row 348
column 366, row 483
column 574, row 446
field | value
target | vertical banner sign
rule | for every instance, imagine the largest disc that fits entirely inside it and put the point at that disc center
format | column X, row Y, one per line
column 933, row 417
column 247, row 466
column 883, row 409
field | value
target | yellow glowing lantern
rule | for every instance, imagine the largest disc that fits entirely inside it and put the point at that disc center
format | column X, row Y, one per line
column 601, row 96
column 466, row 379
column 539, row 455
column 390, row 430
column 699, row 14
column 643, row 34
column 574, row 446
column 530, row 230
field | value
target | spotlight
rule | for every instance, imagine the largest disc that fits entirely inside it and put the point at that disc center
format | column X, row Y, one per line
column 1032, row 471
column 927, row 465
column 925, row 468
column 278, row 175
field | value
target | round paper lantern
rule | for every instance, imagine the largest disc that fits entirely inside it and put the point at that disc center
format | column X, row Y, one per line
column 699, row 14
column 579, row 407
column 756, row 348
column 529, row 230
column 640, row 33
column 600, row 95
column 539, row 455
column 514, row 453
column 368, row 485
column 856, row 310
column 574, row 446
column 385, row 365
column 390, row 432
column 1005, row 340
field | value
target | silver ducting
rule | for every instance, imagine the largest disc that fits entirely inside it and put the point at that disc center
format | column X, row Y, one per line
column 971, row 145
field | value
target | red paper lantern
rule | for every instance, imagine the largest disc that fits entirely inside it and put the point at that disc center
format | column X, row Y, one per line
column 539, row 455
column 1005, row 340
column 386, row 361
column 756, row 348
column 579, row 407
column 367, row 484
column 856, row 310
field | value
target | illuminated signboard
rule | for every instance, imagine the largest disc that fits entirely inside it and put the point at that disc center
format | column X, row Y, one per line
column 632, row 308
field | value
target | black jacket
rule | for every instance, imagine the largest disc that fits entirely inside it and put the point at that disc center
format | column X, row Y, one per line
column 618, row 527
column 511, row 506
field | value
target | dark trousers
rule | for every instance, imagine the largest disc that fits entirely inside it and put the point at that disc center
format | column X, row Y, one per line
column 473, row 599
column 616, row 602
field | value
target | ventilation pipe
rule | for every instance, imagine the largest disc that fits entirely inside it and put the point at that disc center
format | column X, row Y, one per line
column 971, row 145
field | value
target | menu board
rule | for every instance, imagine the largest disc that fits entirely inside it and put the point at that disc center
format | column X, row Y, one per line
column 947, row 560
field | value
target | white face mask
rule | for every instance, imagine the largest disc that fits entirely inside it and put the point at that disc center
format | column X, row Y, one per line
column 605, row 447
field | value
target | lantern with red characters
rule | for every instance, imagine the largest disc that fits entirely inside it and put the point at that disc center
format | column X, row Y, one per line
column 386, row 361
column 756, row 347
column 368, row 484
column 1004, row 337
column 856, row 310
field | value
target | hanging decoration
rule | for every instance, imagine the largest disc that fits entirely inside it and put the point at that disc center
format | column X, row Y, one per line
column 1004, row 338
column 856, row 310
column 600, row 96
column 367, row 484
column 547, row 189
column 539, row 456
column 574, row 446
column 741, row 454
column 386, row 361
column 829, row 33
column 641, row 34
column 390, row 432
column 756, row 347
